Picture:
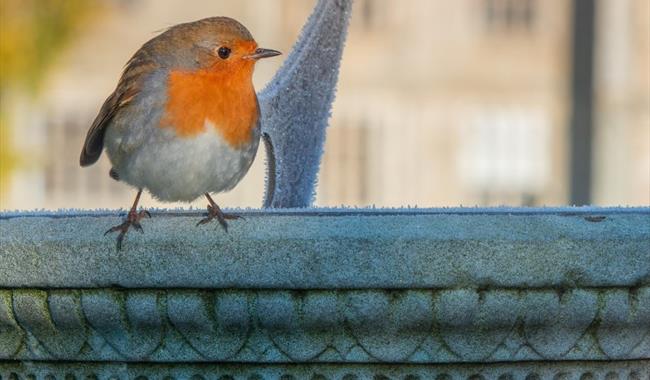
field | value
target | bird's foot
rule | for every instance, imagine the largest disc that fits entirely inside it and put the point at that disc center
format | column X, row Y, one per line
column 132, row 220
column 214, row 212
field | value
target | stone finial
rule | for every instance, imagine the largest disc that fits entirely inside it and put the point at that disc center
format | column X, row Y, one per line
column 296, row 106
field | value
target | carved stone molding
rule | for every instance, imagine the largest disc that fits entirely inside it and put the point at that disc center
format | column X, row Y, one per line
column 372, row 326
column 621, row 370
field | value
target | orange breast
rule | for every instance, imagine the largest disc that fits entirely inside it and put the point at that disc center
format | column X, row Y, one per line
column 224, row 97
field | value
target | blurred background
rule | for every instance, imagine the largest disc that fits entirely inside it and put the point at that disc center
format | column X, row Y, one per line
column 440, row 103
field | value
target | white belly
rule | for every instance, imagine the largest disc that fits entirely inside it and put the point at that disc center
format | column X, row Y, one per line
column 182, row 169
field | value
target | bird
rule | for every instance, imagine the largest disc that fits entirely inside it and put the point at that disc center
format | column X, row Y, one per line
column 184, row 119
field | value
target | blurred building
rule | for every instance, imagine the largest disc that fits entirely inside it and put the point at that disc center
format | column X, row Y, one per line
column 440, row 103
column 460, row 102
column 622, row 140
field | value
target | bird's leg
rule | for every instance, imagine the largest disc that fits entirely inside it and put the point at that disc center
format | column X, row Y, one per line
column 215, row 212
column 132, row 219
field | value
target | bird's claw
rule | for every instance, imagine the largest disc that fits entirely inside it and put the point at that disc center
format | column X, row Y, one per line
column 132, row 220
column 114, row 229
column 203, row 221
column 216, row 213
column 120, row 238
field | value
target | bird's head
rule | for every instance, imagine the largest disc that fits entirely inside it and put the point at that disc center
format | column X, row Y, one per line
column 216, row 43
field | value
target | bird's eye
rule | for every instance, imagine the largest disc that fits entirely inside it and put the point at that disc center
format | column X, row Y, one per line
column 224, row 52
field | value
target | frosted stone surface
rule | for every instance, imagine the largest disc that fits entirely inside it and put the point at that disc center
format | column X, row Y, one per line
column 333, row 249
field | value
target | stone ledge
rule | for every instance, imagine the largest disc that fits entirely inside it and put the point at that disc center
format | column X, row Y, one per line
column 621, row 370
column 344, row 287
column 355, row 250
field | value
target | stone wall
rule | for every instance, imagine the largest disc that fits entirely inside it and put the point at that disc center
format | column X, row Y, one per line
column 329, row 294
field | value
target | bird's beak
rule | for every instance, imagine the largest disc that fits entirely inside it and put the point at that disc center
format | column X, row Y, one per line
column 262, row 53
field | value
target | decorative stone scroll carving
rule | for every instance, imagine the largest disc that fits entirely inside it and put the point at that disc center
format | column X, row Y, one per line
column 345, row 326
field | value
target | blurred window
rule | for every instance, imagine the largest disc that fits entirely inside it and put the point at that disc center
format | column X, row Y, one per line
column 508, row 16
column 505, row 153
column 367, row 11
column 375, row 15
column 344, row 175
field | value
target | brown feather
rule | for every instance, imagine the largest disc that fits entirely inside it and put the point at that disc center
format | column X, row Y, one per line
column 127, row 89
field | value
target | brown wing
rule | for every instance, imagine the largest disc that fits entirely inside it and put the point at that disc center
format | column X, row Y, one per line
column 128, row 87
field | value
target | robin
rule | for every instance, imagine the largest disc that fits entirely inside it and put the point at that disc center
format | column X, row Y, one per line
column 184, row 119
